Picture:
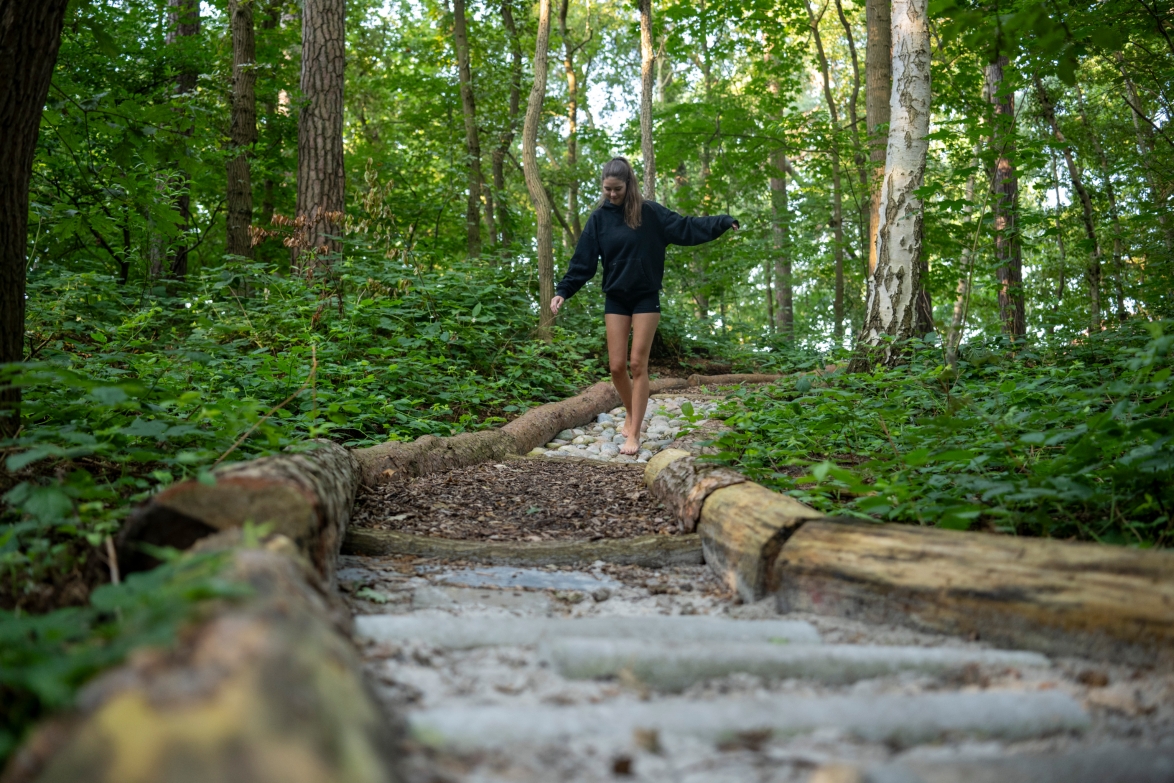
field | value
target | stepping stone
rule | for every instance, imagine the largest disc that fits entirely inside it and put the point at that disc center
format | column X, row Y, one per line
column 468, row 632
column 1103, row 765
column 674, row 667
column 898, row 720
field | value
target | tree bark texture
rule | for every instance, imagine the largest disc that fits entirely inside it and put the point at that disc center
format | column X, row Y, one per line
column 1093, row 267
column 243, row 132
column 306, row 497
column 878, row 75
column 837, row 185
column 460, row 37
column 569, row 48
column 647, row 65
column 1061, row 598
column 683, row 484
column 892, row 313
column 321, row 200
column 30, row 35
column 502, row 220
column 533, row 176
column 183, row 18
column 781, row 238
column 647, row 551
column 1005, row 192
column 268, row 690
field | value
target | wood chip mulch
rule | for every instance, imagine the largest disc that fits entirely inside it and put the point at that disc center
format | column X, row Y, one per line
column 519, row 500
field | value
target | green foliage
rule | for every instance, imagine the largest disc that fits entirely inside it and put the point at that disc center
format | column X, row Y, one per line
column 1071, row 440
column 44, row 659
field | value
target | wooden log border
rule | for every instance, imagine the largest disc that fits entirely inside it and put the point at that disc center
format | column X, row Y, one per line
column 1061, row 598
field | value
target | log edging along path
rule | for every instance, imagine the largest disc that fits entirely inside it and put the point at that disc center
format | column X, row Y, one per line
column 1062, row 598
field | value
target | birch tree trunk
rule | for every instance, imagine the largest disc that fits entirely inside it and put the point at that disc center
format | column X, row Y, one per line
column 460, row 37
column 892, row 314
column 30, row 35
column 1005, row 189
column 533, row 178
column 1093, row 267
column 503, row 223
column 243, row 132
column 878, row 76
column 837, row 187
column 321, row 177
column 647, row 61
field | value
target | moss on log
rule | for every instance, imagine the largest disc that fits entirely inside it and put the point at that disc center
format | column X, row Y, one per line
column 264, row 691
column 1062, row 598
column 647, row 551
column 305, row 496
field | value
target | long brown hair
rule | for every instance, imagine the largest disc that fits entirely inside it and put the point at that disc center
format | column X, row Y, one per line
column 621, row 169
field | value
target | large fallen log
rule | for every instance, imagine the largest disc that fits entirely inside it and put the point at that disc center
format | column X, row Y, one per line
column 306, row 496
column 266, row 691
column 401, row 460
column 647, row 551
column 1092, row 600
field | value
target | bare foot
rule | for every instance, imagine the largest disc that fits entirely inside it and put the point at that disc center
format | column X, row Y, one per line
column 631, row 445
column 626, row 430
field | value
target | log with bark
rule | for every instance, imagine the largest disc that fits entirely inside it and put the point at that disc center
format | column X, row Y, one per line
column 646, row 551
column 682, row 484
column 1062, row 598
column 730, row 380
column 306, row 496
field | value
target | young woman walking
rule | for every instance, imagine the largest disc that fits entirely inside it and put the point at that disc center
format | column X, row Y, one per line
column 630, row 235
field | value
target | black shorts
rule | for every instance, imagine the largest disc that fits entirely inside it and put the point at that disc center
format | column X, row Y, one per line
column 641, row 303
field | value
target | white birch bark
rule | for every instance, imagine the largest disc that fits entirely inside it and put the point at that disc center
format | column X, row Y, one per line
column 892, row 302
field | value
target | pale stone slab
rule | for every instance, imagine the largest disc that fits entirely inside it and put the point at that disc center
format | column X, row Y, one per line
column 673, row 667
column 898, row 720
column 468, row 632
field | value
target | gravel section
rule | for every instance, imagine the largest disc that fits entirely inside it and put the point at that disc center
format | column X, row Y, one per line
column 519, row 500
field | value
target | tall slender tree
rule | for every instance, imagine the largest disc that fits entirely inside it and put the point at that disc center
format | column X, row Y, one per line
column 570, row 48
column 895, row 308
column 321, row 176
column 183, row 17
column 1093, row 267
column 1114, row 214
column 878, row 76
column 30, row 35
column 784, row 308
column 647, row 65
column 542, row 207
column 460, row 37
column 837, row 184
column 1005, row 191
column 506, row 139
column 243, row 131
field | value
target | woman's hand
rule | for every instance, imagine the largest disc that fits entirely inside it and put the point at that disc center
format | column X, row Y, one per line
column 555, row 304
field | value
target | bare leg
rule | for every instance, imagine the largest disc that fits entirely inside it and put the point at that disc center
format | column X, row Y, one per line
column 618, row 328
column 643, row 330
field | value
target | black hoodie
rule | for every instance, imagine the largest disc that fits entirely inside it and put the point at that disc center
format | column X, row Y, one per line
column 633, row 259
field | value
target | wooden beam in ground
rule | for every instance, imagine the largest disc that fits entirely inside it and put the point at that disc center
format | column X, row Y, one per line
column 1091, row 600
column 647, row 551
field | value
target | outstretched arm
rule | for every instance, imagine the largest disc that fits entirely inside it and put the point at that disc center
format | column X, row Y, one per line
column 583, row 263
column 688, row 231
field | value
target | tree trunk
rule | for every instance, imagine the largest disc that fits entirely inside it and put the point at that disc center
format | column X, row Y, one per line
column 533, row 176
column 961, row 298
column 780, row 234
column 837, row 190
column 1145, row 145
column 569, row 49
column 1114, row 215
column 892, row 314
column 1005, row 188
column 30, row 34
column 243, row 133
column 1061, row 284
column 460, row 37
column 1093, row 269
column 507, row 135
column 183, row 17
column 647, row 61
column 863, row 202
column 321, row 200
column 878, row 68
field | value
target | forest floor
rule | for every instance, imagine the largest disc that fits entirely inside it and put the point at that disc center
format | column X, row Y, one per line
column 483, row 708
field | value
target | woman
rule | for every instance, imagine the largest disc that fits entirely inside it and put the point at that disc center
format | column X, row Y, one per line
column 630, row 235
